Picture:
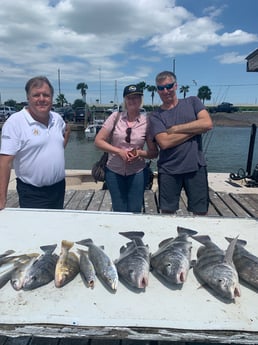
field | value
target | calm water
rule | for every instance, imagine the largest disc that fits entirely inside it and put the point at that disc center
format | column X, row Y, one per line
column 226, row 150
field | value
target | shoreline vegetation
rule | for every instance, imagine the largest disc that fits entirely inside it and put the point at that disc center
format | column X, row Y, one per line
column 238, row 119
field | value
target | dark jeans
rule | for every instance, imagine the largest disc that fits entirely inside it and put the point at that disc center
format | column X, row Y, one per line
column 47, row 197
column 127, row 192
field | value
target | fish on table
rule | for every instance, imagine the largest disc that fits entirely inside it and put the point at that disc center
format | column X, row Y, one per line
column 9, row 264
column 172, row 260
column 133, row 264
column 215, row 267
column 19, row 274
column 42, row 270
column 104, row 267
column 246, row 263
column 67, row 266
column 87, row 269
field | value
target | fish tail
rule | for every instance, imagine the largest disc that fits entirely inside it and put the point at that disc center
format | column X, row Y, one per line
column 230, row 250
column 48, row 248
column 186, row 231
column 67, row 244
column 132, row 234
column 85, row 242
column 239, row 241
column 203, row 239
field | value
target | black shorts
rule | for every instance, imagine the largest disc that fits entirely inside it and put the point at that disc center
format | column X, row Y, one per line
column 47, row 197
column 196, row 188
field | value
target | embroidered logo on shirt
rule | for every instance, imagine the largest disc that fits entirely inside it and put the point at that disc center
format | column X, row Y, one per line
column 35, row 131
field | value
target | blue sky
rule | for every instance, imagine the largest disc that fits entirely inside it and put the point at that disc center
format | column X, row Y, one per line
column 109, row 44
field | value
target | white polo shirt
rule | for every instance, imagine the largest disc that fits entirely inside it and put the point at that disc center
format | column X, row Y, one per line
column 38, row 150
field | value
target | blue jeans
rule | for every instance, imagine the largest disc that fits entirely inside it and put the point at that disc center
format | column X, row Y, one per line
column 127, row 192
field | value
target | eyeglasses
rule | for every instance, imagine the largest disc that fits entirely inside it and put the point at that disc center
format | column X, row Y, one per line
column 167, row 86
column 128, row 135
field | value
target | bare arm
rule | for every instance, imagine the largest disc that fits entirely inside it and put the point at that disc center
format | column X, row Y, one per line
column 5, row 171
column 101, row 141
column 67, row 134
column 178, row 134
column 151, row 152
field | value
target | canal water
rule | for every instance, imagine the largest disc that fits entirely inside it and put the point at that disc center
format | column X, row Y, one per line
column 226, row 150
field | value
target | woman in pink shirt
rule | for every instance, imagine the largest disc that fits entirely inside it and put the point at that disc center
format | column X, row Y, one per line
column 127, row 152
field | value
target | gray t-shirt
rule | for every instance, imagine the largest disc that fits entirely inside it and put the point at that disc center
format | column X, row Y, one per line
column 188, row 156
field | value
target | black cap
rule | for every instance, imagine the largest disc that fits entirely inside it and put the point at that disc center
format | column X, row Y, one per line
column 132, row 90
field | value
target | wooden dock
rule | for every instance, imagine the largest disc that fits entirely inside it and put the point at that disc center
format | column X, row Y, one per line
column 222, row 204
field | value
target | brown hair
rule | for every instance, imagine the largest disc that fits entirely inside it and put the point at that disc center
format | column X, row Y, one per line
column 38, row 82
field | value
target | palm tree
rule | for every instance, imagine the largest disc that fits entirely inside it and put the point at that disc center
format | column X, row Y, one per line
column 204, row 92
column 61, row 100
column 152, row 89
column 82, row 87
column 184, row 89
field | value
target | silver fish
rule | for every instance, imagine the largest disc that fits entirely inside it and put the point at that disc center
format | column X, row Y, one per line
column 172, row 260
column 103, row 265
column 133, row 265
column 19, row 274
column 67, row 266
column 42, row 271
column 87, row 269
column 9, row 265
column 245, row 262
column 215, row 267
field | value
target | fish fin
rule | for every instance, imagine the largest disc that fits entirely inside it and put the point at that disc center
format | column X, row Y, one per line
column 239, row 241
column 203, row 239
column 82, row 251
column 164, row 242
column 186, row 231
column 85, row 242
column 7, row 252
column 49, row 248
column 132, row 234
column 193, row 263
column 102, row 247
column 230, row 250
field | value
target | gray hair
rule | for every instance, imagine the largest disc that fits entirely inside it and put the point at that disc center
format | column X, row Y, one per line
column 38, row 82
column 164, row 75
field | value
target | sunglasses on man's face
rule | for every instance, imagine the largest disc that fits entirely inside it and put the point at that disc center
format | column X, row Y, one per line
column 167, row 86
column 128, row 135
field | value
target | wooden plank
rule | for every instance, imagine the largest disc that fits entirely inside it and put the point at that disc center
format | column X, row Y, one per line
column 220, row 206
column 18, row 341
column 12, row 199
column 76, row 341
column 96, row 200
column 80, row 200
column 43, row 341
column 2, row 339
column 233, row 205
column 247, row 203
column 150, row 202
column 105, row 342
column 106, row 202
column 68, row 196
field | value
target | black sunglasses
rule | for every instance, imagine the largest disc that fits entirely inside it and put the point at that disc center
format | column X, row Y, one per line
column 167, row 86
column 128, row 135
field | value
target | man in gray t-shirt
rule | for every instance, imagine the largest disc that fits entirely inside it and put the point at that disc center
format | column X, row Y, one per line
column 177, row 127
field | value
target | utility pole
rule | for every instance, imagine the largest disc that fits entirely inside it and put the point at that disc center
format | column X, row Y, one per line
column 100, row 85
column 59, row 85
column 115, row 97
column 174, row 65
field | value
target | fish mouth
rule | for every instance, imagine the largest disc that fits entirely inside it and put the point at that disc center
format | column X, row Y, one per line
column 91, row 284
column 237, row 292
column 143, row 283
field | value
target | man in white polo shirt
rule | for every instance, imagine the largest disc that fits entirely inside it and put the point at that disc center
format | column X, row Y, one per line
column 33, row 142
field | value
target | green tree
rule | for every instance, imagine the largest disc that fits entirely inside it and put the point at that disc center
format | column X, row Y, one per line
column 204, row 93
column 142, row 85
column 184, row 89
column 78, row 103
column 61, row 100
column 82, row 87
column 152, row 89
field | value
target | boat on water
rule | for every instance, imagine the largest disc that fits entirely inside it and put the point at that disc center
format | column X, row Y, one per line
column 93, row 128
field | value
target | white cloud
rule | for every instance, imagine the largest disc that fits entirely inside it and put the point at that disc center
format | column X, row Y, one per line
column 124, row 39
